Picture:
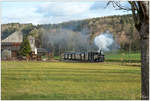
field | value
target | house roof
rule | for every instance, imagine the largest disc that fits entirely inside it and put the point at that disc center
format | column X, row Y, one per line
column 41, row 50
column 14, row 37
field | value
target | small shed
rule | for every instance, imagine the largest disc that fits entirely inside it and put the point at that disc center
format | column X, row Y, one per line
column 42, row 53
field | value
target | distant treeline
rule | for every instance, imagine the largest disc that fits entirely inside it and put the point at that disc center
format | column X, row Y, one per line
column 79, row 35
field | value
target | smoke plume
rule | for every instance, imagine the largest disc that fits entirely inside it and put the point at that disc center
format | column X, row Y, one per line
column 66, row 40
column 105, row 42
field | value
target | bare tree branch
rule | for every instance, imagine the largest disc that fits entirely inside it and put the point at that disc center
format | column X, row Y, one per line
column 117, row 4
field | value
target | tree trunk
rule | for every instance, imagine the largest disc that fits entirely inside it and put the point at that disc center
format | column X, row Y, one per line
column 140, row 12
column 144, row 33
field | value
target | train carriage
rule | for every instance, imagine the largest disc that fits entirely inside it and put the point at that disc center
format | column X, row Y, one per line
column 83, row 56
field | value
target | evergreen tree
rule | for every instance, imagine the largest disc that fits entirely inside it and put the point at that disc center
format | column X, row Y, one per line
column 25, row 48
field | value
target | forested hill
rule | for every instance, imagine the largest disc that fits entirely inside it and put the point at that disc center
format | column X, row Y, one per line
column 122, row 28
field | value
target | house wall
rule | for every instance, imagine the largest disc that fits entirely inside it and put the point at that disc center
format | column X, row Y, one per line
column 6, row 54
column 14, row 54
column 13, row 49
column 32, row 43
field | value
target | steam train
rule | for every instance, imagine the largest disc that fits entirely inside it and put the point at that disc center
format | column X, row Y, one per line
column 83, row 56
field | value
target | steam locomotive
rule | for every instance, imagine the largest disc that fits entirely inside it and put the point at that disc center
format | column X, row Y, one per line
column 83, row 56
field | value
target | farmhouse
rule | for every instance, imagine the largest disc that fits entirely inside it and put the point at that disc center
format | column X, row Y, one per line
column 10, row 46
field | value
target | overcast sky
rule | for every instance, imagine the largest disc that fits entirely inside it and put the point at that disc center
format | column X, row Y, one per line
column 55, row 12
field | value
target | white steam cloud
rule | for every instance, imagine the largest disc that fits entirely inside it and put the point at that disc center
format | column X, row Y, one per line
column 104, row 41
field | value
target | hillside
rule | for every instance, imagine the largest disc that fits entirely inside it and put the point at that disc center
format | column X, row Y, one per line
column 121, row 27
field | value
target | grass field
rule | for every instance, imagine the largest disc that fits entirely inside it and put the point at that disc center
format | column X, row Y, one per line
column 123, row 56
column 58, row 80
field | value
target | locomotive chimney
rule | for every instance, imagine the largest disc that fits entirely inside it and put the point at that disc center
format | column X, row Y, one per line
column 100, row 52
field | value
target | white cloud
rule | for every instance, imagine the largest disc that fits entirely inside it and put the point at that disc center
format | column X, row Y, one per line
column 21, row 14
column 64, row 8
column 53, row 12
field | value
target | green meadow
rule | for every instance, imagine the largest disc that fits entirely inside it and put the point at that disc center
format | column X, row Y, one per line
column 123, row 56
column 22, row 80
